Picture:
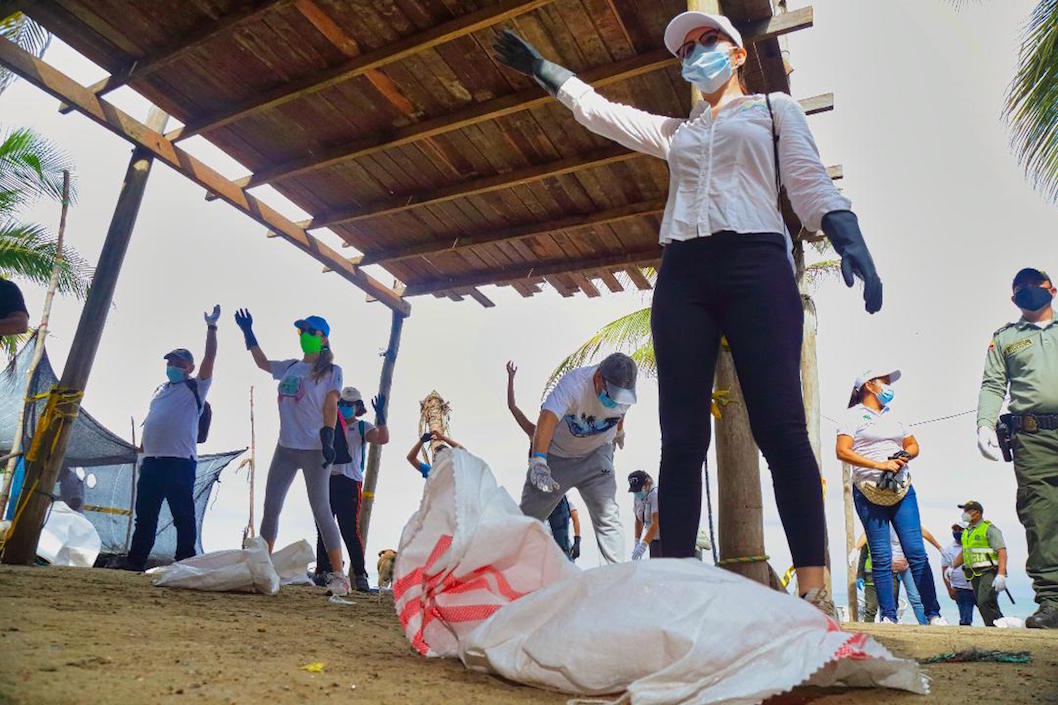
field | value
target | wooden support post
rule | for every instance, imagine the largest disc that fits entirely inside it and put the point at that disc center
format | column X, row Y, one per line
column 850, row 540
column 46, row 454
column 374, row 456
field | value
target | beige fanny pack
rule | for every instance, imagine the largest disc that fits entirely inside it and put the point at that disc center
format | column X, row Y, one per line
column 884, row 498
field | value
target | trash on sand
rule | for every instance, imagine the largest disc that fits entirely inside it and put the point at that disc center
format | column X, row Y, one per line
column 314, row 667
column 976, row 655
column 336, row 600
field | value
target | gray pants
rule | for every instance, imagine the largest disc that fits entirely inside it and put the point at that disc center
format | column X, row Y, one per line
column 285, row 465
column 593, row 476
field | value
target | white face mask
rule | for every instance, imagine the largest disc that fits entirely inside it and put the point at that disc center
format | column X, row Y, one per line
column 966, row 517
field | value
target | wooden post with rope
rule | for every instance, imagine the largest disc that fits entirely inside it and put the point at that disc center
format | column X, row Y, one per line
column 251, row 463
column 850, row 540
column 374, row 456
column 46, row 453
column 38, row 349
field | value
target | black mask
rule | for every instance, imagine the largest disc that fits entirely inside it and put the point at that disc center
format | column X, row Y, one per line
column 1032, row 298
column 957, row 535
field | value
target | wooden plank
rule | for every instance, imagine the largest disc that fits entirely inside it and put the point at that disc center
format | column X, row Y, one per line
column 584, row 285
column 508, row 234
column 637, row 277
column 120, row 123
column 610, row 281
column 643, row 258
column 403, row 49
column 776, row 25
column 139, row 69
column 481, row 298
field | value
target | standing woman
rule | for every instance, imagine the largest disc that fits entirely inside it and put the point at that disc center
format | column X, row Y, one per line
column 873, row 439
column 308, row 411
column 727, row 269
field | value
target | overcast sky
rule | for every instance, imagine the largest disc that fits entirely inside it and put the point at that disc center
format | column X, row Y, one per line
column 945, row 208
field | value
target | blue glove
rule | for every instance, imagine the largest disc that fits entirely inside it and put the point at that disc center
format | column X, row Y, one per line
column 244, row 320
column 327, row 441
column 379, row 405
column 426, row 437
column 861, row 584
column 843, row 230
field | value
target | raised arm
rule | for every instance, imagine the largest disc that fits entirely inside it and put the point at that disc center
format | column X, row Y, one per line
column 205, row 371
column 380, row 433
column 525, row 424
column 244, row 320
column 631, row 127
column 413, row 454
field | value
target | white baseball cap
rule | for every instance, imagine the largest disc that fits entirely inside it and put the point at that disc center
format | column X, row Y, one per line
column 351, row 394
column 875, row 373
column 684, row 22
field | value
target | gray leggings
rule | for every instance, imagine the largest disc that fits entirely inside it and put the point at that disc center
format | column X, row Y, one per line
column 285, row 465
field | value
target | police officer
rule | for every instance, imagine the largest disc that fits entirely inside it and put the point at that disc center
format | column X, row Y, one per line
column 1024, row 355
column 983, row 560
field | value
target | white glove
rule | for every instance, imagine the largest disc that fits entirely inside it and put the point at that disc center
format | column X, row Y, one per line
column 999, row 583
column 211, row 318
column 988, row 444
column 638, row 551
column 619, row 440
column 540, row 476
column 854, row 557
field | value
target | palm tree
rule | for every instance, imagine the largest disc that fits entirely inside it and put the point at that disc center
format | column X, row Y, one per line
column 27, row 34
column 1032, row 98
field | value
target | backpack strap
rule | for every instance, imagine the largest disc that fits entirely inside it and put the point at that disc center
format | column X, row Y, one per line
column 363, row 442
column 192, row 384
column 775, row 153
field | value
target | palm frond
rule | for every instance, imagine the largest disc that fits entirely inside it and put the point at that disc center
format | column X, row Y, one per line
column 28, row 252
column 11, row 344
column 30, row 167
column 818, row 272
column 629, row 333
column 27, row 34
column 1032, row 100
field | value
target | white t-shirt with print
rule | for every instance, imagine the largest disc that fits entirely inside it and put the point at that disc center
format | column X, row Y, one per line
column 956, row 577
column 875, row 435
column 644, row 510
column 170, row 429
column 301, row 402
column 584, row 423
column 355, row 468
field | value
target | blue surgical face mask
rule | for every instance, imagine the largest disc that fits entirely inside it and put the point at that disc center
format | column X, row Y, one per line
column 708, row 69
column 885, row 397
column 641, row 494
column 348, row 412
column 606, row 401
column 176, row 375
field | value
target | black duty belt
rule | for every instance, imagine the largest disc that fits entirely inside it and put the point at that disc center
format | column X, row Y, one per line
column 1030, row 423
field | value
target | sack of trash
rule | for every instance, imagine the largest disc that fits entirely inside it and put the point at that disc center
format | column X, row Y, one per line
column 465, row 553
column 239, row 570
column 477, row 579
column 68, row 538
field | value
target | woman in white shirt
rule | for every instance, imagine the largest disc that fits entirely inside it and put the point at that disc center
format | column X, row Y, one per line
column 308, row 412
column 875, row 442
column 726, row 269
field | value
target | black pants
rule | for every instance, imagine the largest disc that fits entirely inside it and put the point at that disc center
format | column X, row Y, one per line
column 345, row 503
column 655, row 549
column 742, row 287
column 171, row 480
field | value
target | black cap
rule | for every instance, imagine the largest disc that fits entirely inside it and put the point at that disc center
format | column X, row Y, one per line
column 637, row 479
column 180, row 354
column 972, row 504
column 1030, row 277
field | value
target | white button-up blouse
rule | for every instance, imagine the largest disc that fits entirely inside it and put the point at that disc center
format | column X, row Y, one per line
column 721, row 170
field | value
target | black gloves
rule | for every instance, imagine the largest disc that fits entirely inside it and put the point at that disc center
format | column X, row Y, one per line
column 327, row 439
column 518, row 54
column 244, row 320
column 843, row 230
column 574, row 550
column 379, row 405
column 426, row 437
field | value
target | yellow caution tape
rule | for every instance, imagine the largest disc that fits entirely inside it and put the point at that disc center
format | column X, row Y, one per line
column 107, row 510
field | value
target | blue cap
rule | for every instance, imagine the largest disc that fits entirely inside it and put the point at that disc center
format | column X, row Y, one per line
column 314, row 323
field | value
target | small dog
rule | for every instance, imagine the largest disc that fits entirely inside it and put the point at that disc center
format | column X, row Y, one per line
column 386, row 559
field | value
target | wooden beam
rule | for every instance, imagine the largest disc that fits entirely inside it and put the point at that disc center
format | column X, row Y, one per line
column 120, row 123
column 610, row 154
column 481, row 298
column 611, row 282
column 638, row 278
column 508, row 234
column 777, row 25
column 515, row 272
column 398, row 51
column 584, row 285
column 139, row 69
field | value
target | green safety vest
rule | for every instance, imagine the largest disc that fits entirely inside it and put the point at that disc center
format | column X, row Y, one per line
column 977, row 555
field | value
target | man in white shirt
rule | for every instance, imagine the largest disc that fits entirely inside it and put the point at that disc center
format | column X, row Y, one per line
column 170, row 437
column 573, row 447
column 959, row 587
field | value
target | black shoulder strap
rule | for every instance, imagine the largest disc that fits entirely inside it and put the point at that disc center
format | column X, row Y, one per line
column 775, row 153
column 192, row 384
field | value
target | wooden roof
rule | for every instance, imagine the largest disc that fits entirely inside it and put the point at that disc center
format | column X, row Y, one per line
column 392, row 124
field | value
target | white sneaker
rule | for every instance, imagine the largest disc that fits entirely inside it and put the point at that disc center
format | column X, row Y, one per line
column 337, row 584
column 938, row 621
column 886, row 620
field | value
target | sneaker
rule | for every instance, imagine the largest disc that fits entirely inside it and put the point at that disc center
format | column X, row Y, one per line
column 938, row 621
column 887, row 620
column 362, row 585
column 821, row 601
column 337, row 585
column 1046, row 617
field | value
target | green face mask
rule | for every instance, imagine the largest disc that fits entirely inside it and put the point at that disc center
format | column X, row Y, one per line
column 311, row 344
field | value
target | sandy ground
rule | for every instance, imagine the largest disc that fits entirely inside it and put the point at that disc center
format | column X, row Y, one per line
column 96, row 636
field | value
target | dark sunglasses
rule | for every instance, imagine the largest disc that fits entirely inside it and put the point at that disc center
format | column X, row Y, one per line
column 708, row 39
